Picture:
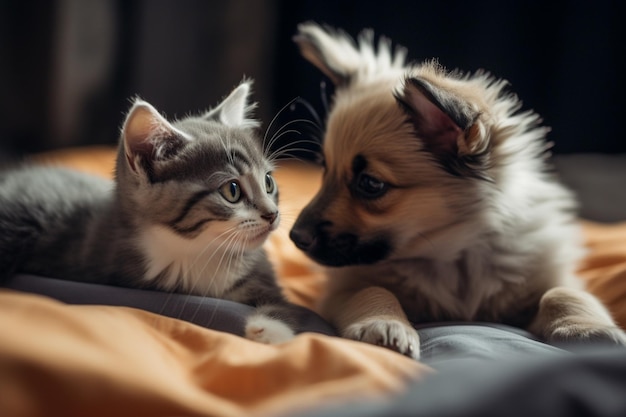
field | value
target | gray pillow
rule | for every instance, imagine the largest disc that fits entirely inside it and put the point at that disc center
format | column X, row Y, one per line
column 212, row 313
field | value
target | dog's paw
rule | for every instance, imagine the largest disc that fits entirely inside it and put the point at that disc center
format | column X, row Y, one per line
column 392, row 334
column 264, row 329
column 577, row 333
column 569, row 316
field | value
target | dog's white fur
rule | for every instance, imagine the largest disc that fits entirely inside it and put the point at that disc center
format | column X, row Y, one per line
column 499, row 246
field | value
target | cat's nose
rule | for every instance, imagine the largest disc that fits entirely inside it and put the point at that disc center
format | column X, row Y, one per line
column 270, row 217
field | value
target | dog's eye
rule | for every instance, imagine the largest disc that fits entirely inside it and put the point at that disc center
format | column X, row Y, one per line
column 370, row 187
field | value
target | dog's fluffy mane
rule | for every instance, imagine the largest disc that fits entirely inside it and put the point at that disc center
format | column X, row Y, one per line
column 521, row 231
column 364, row 63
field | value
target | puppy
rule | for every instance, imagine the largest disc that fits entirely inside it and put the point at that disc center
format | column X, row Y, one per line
column 437, row 204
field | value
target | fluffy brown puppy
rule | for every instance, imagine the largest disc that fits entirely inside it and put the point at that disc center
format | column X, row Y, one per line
column 437, row 204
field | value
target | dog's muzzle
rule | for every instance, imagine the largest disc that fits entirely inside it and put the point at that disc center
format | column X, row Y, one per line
column 336, row 250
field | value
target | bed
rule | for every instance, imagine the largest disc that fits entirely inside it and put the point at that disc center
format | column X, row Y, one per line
column 75, row 349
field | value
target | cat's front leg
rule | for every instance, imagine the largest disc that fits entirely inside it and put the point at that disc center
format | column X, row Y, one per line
column 272, row 324
column 373, row 315
column 568, row 315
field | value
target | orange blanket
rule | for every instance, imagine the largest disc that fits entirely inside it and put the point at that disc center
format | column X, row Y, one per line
column 57, row 359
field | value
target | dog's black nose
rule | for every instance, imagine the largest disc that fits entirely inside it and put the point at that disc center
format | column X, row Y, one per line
column 302, row 238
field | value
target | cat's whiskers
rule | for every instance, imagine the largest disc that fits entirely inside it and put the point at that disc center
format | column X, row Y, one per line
column 230, row 241
column 289, row 216
column 209, row 244
column 172, row 290
column 269, row 126
column 200, row 256
column 279, row 133
column 271, row 151
column 176, row 266
column 316, row 124
column 293, row 141
column 235, row 250
column 233, row 238
column 286, row 149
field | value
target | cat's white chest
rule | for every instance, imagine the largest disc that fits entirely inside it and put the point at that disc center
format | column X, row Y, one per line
column 196, row 266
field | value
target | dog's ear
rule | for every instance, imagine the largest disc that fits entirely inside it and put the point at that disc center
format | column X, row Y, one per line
column 332, row 53
column 448, row 125
column 340, row 58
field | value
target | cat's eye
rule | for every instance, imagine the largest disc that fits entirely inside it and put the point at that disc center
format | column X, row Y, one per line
column 367, row 186
column 231, row 191
column 270, row 184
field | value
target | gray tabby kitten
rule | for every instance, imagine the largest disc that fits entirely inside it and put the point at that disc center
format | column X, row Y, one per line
column 191, row 205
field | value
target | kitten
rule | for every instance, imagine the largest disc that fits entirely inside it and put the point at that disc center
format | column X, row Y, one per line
column 437, row 204
column 192, row 203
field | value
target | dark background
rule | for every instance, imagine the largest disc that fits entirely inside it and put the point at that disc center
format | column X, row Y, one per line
column 68, row 68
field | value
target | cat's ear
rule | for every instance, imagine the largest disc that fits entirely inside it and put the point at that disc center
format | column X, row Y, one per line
column 148, row 136
column 235, row 109
column 445, row 122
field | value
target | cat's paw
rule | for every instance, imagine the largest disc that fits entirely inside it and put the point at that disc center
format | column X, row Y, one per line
column 392, row 334
column 264, row 329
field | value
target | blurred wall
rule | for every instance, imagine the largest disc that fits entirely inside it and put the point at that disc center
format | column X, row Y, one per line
column 565, row 59
column 69, row 67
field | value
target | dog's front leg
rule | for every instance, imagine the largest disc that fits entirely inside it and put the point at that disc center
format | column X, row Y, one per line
column 569, row 315
column 373, row 315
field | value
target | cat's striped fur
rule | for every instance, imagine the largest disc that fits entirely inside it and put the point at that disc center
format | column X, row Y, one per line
column 192, row 203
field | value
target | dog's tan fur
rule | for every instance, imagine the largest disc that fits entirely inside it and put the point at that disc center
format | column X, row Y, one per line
column 471, row 226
